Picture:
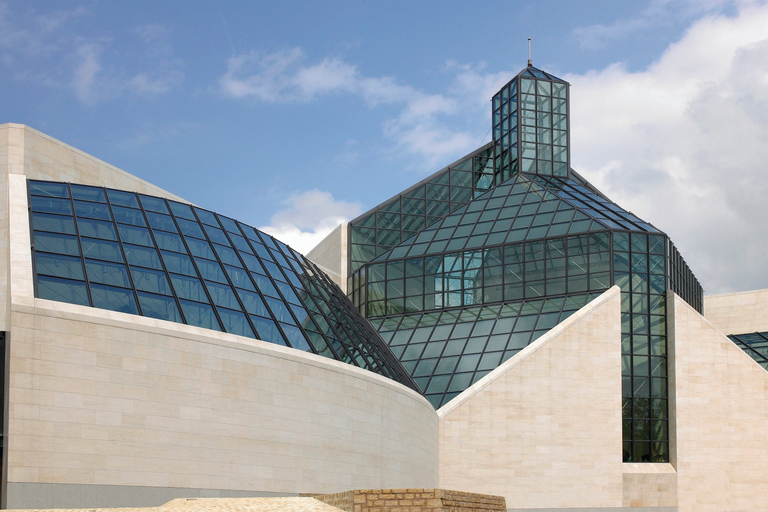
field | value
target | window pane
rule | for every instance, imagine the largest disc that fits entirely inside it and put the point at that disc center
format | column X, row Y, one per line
column 190, row 228
column 280, row 311
column 227, row 255
column 115, row 299
column 62, row 290
column 264, row 285
column 50, row 205
column 200, row 248
column 88, row 193
column 54, row 242
column 157, row 306
column 92, row 210
column 56, row 223
column 142, row 256
column 164, row 222
column 182, row 210
column 296, row 338
column 210, row 270
column 179, row 263
column 235, row 323
column 189, row 288
column 239, row 277
column 222, row 295
column 267, row 330
column 107, row 273
column 151, row 281
column 169, row 242
column 153, row 204
column 253, row 303
column 122, row 198
column 135, row 235
column 96, row 229
column 206, row 217
column 128, row 216
column 228, row 224
column 216, row 235
column 44, row 188
column 101, row 249
column 200, row 315
column 59, row 266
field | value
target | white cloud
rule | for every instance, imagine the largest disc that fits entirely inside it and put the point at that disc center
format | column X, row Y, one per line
column 684, row 144
column 419, row 129
column 84, row 74
column 310, row 217
column 657, row 13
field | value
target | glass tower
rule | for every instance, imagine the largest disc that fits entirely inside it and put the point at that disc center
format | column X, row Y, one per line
column 533, row 242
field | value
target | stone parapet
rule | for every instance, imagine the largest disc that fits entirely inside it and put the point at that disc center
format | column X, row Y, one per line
column 413, row 500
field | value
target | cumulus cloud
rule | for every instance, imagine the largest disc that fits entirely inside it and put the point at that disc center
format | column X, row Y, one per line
column 419, row 129
column 683, row 144
column 309, row 217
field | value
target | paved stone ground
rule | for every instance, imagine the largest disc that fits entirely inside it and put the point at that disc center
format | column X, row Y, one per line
column 221, row 505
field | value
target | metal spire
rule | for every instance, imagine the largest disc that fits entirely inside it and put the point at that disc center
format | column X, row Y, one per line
column 530, row 63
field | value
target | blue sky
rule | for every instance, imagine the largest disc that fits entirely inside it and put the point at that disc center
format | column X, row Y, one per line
column 292, row 116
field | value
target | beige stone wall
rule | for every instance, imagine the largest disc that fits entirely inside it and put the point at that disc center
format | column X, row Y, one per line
column 721, row 416
column 649, row 485
column 98, row 397
column 544, row 429
column 331, row 256
column 39, row 156
column 738, row 313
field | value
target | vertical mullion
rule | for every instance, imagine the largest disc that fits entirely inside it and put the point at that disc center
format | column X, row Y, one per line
column 80, row 243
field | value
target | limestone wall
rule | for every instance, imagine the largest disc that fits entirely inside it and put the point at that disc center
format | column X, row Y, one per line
column 104, row 398
column 331, row 256
column 544, row 429
column 721, row 415
column 738, row 313
column 39, row 156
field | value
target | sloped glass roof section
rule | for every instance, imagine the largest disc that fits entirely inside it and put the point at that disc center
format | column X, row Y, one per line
column 755, row 344
column 158, row 258
column 404, row 215
column 448, row 351
column 522, row 208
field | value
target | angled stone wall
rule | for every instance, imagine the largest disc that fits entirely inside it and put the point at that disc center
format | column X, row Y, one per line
column 544, row 429
column 720, row 418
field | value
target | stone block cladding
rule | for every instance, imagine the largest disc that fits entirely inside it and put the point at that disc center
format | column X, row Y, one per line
column 413, row 500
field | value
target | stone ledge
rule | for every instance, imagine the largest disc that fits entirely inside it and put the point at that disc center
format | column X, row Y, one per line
column 413, row 500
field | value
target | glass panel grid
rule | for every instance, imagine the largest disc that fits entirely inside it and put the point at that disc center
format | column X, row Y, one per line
column 149, row 256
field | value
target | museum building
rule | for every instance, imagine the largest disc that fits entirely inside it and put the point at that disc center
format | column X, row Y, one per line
column 500, row 327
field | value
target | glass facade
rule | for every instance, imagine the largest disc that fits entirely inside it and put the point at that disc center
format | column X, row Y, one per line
column 163, row 259
column 406, row 214
column 755, row 344
column 467, row 291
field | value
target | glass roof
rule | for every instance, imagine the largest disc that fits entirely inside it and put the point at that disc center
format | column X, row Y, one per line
column 755, row 344
column 533, row 72
column 522, row 208
column 448, row 351
column 163, row 259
